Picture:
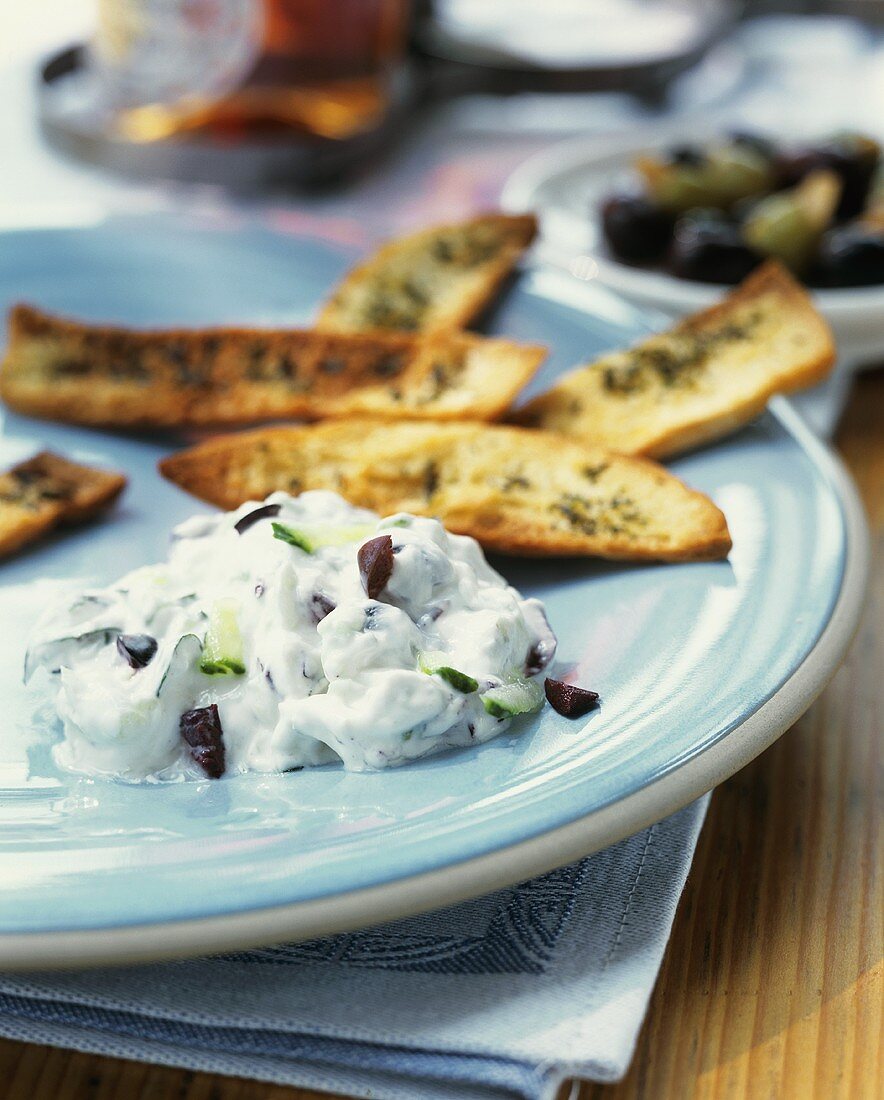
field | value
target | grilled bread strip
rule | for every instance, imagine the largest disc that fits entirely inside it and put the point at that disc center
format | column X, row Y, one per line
column 91, row 374
column 439, row 278
column 702, row 379
column 516, row 491
column 49, row 491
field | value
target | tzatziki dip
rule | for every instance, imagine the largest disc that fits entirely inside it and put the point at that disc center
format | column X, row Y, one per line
column 292, row 632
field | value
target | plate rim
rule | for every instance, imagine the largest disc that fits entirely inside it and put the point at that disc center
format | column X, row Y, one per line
column 372, row 905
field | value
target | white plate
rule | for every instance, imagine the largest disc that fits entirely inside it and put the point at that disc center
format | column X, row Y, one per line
column 564, row 185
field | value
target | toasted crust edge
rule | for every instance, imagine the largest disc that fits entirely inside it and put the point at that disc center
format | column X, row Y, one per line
column 57, row 403
column 103, row 487
column 702, row 430
column 770, row 275
column 473, row 305
column 503, row 538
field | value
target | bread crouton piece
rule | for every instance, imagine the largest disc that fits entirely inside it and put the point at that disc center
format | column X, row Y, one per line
column 106, row 375
column 439, row 278
column 704, row 378
column 49, row 491
column 517, row 491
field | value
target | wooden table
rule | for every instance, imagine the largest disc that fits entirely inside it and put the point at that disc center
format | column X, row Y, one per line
column 773, row 984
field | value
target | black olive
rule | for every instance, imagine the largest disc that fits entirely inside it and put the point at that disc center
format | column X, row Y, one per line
column 710, row 249
column 636, row 229
column 853, row 256
column 854, row 162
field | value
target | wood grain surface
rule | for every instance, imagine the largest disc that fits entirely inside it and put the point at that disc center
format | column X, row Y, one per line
column 773, row 985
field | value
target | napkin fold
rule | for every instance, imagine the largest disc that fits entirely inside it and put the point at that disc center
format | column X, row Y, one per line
column 503, row 996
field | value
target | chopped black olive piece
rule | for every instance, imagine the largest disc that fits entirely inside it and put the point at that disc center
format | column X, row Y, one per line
column 568, row 699
column 138, row 649
column 266, row 511
column 544, row 649
column 321, row 606
column 375, row 559
column 637, row 230
column 201, row 730
column 537, row 659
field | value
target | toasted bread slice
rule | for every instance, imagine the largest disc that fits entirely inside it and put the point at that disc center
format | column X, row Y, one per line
column 700, row 380
column 49, row 491
column 440, row 278
column 90, row 374
column 516, row 491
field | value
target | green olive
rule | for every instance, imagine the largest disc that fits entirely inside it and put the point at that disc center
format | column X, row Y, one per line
column 779, row 227
column 719, row 178
column 787, row 225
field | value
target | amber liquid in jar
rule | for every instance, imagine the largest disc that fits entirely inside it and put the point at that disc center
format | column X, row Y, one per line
column 318, row 68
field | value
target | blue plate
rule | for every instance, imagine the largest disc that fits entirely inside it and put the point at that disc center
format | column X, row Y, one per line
column 699, row 666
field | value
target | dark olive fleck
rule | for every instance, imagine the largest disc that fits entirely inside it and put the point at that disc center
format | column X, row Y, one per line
column 568, row 699
column 332, row 365
column 389, row 366
column 285, row 367
column 431, row 479
column 442, row 251
column 72, row 367
column 176, row 353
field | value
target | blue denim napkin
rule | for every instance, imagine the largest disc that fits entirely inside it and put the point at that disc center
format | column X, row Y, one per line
column 503, row 996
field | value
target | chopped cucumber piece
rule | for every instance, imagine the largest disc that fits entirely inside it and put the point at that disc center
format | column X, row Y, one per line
column 59, row 652
column 311, row 539
column 460, row 681
column 222, row 652
column 519, row 696
column 184, row 655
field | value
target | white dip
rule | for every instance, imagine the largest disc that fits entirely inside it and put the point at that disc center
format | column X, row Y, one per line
column 303, row 666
